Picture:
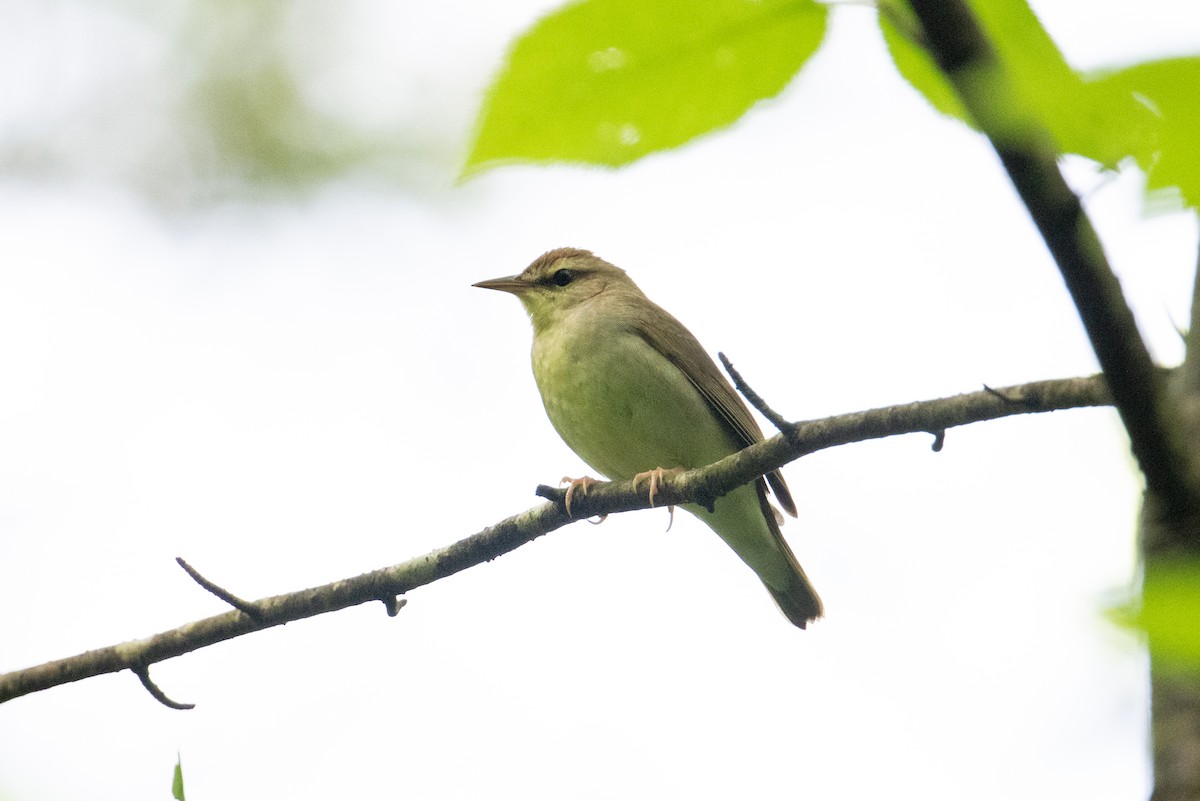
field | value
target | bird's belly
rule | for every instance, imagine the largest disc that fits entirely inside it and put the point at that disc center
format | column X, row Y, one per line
column 624, row 408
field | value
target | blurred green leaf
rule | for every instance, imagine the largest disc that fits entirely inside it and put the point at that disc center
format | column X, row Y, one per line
column 1169, row 614
column 609, row 81
column 902, row 34
column 1096, row 120
column 177, row 782
column 1171, row 90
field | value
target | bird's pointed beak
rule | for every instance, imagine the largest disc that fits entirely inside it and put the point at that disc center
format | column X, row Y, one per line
column 509, row 283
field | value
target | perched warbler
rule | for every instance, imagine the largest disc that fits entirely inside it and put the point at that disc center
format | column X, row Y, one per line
column 633, row 393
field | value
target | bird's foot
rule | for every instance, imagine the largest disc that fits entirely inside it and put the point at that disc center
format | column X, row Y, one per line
column 580, row 485
column 655, row 477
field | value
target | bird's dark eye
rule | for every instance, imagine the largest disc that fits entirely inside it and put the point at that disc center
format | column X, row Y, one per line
column 563, row 277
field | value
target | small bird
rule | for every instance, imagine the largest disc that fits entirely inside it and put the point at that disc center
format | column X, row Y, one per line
column 634, row 394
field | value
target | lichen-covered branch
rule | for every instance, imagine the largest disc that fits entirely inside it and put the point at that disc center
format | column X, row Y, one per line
column 699, row 486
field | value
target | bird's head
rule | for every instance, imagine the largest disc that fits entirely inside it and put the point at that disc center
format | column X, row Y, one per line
column 558, row 282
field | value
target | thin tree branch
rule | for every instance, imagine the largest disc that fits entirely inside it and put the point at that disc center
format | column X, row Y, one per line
column 245, row 607
column 964, row 53
column 774, row 417
column 276, row 610
column 692, row 486
column 143, row 673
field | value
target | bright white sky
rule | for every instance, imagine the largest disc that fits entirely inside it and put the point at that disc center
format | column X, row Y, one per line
column 289, row 394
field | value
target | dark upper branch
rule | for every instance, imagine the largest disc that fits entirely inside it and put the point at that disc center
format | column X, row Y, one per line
column 602, row 498
column 955, row 38
column 1189, row 376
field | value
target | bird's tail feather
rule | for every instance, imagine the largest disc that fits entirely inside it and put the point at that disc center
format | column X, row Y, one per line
column 798, row 601
column 797, row 598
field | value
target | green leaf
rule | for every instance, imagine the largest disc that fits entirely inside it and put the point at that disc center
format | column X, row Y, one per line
column 1169, row 614
column 1170, row 90
column 609, row 81
column 177, row 782
column 1095, row 120
column 1089, row 120
column 902, row 34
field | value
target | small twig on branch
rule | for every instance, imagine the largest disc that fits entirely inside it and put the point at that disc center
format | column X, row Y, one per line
column 1004, row 396
column 1029, row 156
column 143, row 673
column 393, row 605
column 550, row 493
column 225, row 595
column 776, row 419
column 602, row 498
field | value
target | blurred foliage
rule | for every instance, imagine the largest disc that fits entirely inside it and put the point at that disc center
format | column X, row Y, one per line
column 609, row 81
column 1168, row 614
column 1171, row 88
column 247, row 102
column 902, row 35
column 209, row 100
column 1082, row 116
column 1148, row 112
